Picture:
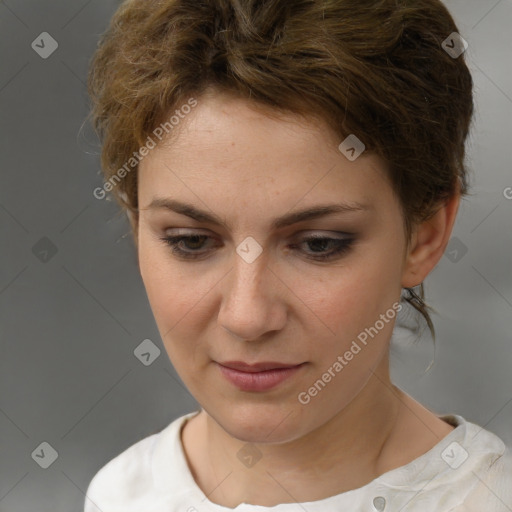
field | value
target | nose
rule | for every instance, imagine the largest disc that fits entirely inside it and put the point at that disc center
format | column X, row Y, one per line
column 253, row 301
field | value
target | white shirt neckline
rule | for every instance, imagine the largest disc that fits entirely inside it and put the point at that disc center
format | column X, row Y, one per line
column 428, row 479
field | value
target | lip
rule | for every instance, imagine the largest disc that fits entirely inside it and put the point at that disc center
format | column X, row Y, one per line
column 259, row 376
column 257, row 367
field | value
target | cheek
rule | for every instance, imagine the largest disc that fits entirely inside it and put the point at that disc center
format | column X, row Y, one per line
column 354, row 295
column 350, row 300
column 359, row 307
column 178, row 299
column 172, row 304
column 170, row 295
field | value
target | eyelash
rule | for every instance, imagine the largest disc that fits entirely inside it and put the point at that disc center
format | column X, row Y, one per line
column 344, row 245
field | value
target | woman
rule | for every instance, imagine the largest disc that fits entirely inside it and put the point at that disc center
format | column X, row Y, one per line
column 291, row 171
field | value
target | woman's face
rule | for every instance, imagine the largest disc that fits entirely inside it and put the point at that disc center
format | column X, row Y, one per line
column 253, row 289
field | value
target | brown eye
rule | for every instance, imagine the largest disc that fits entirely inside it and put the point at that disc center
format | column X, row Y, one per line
column 192, row 244
column 319, row 245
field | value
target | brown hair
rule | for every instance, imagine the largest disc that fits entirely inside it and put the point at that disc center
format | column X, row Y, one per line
column 373, row 68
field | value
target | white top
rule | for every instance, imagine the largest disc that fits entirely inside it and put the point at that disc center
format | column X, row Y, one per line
column 469, row 470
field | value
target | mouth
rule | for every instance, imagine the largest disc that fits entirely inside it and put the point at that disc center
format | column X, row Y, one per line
column 258, row 377
column 257, row 367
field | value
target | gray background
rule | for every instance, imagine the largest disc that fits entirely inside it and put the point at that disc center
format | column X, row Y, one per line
column 73, row 308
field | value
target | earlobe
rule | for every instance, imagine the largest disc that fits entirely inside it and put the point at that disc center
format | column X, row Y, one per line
column 429, row 243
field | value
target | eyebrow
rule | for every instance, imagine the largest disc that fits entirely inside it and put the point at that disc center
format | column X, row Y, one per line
column 314, row 212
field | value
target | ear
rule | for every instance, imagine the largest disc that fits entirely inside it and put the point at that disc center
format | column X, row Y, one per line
column 428, row 243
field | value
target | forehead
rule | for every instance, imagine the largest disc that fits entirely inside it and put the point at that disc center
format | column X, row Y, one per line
column 222, row 124
column 228, row 149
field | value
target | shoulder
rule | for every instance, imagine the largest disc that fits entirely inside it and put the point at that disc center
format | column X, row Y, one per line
column 492, row 479
column 470, row 470
column 121, row 478
column 494, row 487
column 128, row 477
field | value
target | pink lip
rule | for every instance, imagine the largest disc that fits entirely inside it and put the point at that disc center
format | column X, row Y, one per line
column 259, row 376
column 257, row 367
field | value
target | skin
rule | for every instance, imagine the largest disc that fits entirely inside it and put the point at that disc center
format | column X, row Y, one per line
column 247, row 167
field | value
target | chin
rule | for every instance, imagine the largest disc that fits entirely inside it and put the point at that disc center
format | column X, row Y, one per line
column 259, row 422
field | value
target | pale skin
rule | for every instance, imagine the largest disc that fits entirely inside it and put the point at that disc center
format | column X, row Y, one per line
column 247, row 169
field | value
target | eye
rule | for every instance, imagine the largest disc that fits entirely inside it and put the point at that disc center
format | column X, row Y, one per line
column 339, row 247
column 189, row 246
column 194, row 242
